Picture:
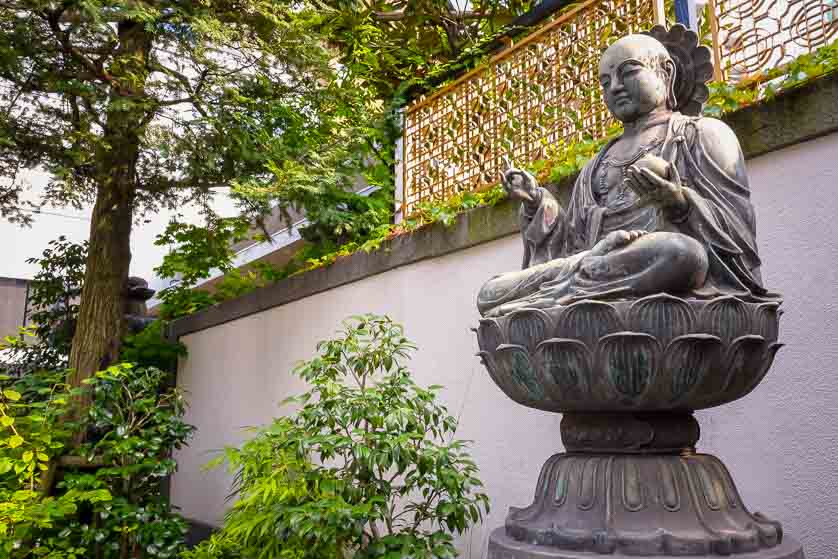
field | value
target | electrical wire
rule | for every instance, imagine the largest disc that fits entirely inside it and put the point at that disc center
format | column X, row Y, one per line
column 54, row 214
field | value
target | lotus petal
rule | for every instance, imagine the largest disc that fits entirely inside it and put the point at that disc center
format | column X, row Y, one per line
column 528, row 327
column 721, row 386
column 670, row 495
column 759, row 372
column 705, row 481
column 501, row 380
column 768, row 321
column 726, row 317
column 630, row 361
column 688, row 361
column 514, row 363
column 489, row 335
column 565, row 366
column 589, row 321
column 663, row 316
column 743, row 360
column 634, row 493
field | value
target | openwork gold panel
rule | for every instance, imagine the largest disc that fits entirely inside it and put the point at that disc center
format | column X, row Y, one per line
column 539, row 95
column 757, row 35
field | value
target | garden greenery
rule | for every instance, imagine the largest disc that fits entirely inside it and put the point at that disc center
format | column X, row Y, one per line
column 190, row 252
column 107, row 502
column 368, row 466
column 102, row 499
column 53, row 303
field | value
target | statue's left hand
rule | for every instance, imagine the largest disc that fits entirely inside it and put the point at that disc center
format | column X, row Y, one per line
column 522, row 186
column 653, row 188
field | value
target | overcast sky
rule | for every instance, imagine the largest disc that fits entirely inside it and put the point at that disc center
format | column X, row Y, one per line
column 20, row 243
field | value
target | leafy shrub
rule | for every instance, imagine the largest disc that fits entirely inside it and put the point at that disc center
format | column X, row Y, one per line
column 366, row 468
column 32, row 435
column 150, row 348
column 136, row 421
column 53, row 298
column 728, row 97
column 108, row 503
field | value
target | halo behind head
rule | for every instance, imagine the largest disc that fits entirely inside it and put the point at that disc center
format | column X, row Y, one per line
column 693, row 65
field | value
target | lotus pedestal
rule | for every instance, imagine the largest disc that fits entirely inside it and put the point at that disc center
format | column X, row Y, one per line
column 627, row 377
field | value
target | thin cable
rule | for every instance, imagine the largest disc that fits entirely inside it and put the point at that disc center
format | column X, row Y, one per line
column 55, row 214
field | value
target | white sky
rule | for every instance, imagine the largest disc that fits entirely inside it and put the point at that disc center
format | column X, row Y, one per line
column 19, row 243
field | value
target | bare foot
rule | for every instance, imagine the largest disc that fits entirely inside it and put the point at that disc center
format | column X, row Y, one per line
column 594, row 267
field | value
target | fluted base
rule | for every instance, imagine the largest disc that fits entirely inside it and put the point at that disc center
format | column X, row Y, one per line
column 502, row 546
column 668, row 505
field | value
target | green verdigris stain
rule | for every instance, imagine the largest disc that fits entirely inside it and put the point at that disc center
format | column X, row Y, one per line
column 561, row 489
column 522, row 372
column 630, row 371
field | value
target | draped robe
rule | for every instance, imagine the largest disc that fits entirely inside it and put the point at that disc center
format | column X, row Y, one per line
column 720, row 218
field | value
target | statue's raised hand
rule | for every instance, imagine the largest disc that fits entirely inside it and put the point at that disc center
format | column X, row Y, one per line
column 521, row 185
column 657, row 182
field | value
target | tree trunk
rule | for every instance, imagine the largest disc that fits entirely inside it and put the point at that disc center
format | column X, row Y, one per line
column 101, row 322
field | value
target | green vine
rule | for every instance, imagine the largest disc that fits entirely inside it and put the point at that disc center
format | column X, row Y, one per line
column 726, row 97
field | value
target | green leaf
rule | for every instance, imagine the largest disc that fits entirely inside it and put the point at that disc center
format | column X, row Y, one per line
column 15, row 441
column 12, row 395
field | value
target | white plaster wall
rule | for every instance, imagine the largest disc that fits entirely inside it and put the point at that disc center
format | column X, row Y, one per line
column 779, row 442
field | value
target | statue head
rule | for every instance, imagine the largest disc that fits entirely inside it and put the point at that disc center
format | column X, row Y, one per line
column 637, row 75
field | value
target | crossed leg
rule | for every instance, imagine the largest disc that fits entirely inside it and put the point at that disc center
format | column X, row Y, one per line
column 622, row 264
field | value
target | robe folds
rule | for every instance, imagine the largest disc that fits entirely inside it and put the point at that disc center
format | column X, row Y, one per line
column 720, row 218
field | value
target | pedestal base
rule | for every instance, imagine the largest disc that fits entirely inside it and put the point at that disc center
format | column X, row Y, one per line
column 502, row 546
column 617, row 505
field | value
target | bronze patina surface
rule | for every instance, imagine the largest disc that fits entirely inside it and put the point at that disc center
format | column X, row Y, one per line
column 638, row 303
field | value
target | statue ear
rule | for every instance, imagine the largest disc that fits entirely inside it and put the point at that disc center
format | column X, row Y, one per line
column 671, row 73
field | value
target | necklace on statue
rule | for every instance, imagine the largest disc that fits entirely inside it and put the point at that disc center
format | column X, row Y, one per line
column 623, row 164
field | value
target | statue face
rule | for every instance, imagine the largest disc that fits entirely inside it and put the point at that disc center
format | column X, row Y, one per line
column 630, row 73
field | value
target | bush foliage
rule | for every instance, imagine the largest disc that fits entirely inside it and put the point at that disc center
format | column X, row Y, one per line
column 367, row 467
column 107, row 502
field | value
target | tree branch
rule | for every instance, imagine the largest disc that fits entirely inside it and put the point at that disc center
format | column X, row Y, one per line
column 401, row 13
column 187, row 86
column 173, row 184
column 53, row 19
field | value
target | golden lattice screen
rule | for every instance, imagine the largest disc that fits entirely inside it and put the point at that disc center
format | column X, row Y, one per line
column 751, row 36
column 540, row 94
